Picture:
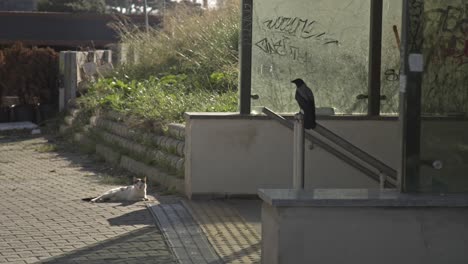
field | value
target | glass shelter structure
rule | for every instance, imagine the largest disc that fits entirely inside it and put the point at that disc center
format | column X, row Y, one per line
column 373, row 59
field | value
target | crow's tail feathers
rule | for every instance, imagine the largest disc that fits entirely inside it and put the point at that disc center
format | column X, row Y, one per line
column 309, row 121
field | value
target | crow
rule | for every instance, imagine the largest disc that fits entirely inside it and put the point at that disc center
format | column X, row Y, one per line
column 306, row 101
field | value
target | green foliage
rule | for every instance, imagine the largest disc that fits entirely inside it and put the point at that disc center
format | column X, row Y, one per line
column 189, row 65
column 44, row 148
column 201, row 45
column 164, row 100
column 74, row 6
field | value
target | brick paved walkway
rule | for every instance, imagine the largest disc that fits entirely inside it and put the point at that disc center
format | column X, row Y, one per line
column 43, row 220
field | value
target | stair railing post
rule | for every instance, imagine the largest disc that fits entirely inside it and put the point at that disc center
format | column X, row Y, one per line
column 299, row 150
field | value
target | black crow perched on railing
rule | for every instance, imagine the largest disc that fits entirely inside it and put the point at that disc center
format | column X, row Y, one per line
column 306, row 101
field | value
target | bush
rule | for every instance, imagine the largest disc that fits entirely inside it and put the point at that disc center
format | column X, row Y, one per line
column 189, row 65
column 201, row 45
column 162, row 100
column 29, row 73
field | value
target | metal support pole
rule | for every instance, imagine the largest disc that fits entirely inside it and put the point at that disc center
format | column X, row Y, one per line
column 412, row 42
column 375, row 58
column 298, row 155
column 145, row 9
column 246, row 57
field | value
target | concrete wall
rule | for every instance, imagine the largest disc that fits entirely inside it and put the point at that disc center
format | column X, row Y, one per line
column 77, row 69
column 364, row 235
column 228, row 154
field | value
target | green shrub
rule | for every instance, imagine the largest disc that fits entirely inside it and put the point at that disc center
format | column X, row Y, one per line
column 201, row 45
column 164, row 100
column 189, row 65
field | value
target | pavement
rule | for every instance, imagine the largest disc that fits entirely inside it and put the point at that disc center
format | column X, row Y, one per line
column 231, row 226
column 43, row 219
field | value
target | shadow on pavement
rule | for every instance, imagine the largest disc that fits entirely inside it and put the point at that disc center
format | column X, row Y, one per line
column 140, row 217
column 138, row 246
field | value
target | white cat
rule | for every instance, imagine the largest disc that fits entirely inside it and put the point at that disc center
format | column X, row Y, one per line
column 135, row 192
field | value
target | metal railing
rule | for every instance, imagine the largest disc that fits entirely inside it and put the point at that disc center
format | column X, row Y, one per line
column 390, row 179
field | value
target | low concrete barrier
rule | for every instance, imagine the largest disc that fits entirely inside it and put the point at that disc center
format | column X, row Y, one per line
column 363, row 226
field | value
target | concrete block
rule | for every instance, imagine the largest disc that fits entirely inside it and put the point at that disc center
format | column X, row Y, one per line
column 63, row 129
column 171, row 145
column 163, row 142
column 168, row 143
column 84, row 142
column 93, row 120
column 367, row 235
column 61, row 98
column 75, row 112
column 177, row 130
column 153, row 174
column 173, row 161
column 87, row 128
column 113, row 115
column 69, row 120
column 159, row 140
column 180, row 165
column 181, row 148
column 108, row 154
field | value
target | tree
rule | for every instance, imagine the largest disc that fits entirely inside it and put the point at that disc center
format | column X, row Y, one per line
column 74, row 6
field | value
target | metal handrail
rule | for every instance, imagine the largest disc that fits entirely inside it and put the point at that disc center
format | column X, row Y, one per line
column 357, row 152
column 361, row 154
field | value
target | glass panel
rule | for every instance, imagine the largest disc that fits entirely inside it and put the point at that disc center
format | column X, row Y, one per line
column 444, row 126
column 324, row 42
column 391, row 30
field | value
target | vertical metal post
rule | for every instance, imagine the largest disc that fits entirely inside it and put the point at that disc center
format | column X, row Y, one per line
column 145, row 9
column 298, row 149
column 375, row 57
column 245, row 77
column 410, row 95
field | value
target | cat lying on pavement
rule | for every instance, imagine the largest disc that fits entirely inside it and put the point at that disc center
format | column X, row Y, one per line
column 135, row 192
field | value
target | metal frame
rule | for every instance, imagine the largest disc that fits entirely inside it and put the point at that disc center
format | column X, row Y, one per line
column 390, row 181
column 410, row 100
column 375, row 51
column 245, row 78
column 375, row 58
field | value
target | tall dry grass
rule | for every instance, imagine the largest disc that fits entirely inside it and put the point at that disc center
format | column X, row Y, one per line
column 192, row 42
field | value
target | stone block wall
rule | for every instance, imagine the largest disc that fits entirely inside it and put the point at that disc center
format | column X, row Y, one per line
column 159, row 156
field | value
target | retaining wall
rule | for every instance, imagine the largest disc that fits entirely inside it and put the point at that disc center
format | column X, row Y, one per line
column 158, row 155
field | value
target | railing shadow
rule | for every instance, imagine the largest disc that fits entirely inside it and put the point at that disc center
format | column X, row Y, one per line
column 139, row 246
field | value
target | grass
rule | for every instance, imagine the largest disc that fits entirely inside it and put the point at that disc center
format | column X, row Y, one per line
column 169, row 191
column 189, row 65
column 113, row 180
column 202, row 45
column 46, row 148
column 162, row 100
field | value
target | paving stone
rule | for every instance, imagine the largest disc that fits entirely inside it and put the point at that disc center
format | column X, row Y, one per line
column 186, row 239
column 235, row 241
column 43, row 219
